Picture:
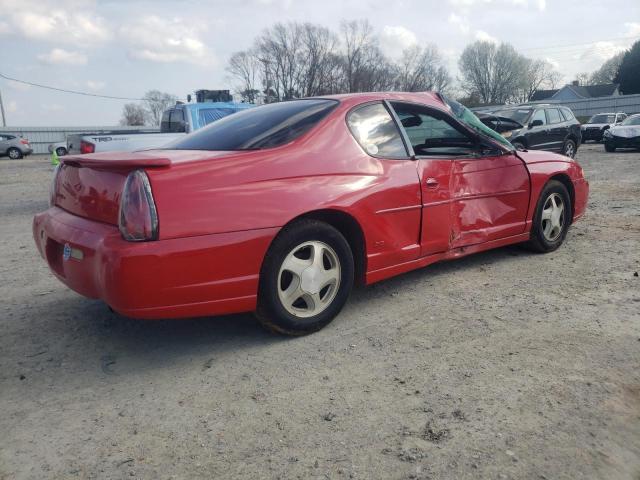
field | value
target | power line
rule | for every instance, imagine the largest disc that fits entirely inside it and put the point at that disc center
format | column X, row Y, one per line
column 76, row 92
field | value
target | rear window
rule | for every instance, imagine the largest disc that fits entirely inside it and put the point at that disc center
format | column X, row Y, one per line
column 520, row 115
column 267, row 126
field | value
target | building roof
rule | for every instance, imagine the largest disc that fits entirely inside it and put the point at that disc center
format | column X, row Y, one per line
column 542, row 95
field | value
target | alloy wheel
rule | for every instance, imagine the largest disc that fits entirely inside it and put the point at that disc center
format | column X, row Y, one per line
column 553, row 217
column 309, row 279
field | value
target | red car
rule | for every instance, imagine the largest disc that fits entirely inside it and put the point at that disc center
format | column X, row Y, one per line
column 280, row 209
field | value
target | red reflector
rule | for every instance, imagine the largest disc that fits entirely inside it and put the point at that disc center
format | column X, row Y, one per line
column 87, row 147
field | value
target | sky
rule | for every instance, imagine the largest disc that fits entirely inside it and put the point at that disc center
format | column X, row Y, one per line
column 127, row 47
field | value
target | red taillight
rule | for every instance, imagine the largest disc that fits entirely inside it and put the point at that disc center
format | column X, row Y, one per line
column 138, row 216
column 24, row 141
column 87, row 147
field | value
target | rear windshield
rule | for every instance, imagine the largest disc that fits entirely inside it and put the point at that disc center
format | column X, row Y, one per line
column 267, row 126
column 602, row 119
column 520, row 115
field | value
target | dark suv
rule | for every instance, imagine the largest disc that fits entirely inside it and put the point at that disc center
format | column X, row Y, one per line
column 537, row 127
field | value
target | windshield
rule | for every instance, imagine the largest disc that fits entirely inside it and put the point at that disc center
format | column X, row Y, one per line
column 467, row 117
column 520, row 115
column 267, row 126
column 634, row 120
column 602, row 118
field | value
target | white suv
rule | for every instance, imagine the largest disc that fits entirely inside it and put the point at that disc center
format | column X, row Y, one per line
column 597, row 124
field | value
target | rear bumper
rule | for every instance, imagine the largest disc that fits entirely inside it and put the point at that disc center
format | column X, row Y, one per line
column 186, row 277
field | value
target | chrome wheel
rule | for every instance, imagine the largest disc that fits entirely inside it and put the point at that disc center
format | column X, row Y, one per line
column 569, row 149
column 553, row 217
column 14, row 154
column 309, row 279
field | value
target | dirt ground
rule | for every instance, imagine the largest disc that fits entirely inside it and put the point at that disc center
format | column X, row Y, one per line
column 502, row 365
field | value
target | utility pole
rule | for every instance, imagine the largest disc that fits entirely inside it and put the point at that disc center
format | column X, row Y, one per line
column 4, row 120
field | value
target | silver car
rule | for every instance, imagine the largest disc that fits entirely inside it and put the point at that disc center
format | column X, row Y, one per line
column 14, row 147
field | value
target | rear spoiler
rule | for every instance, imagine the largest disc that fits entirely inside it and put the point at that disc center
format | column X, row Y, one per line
column 109, row 160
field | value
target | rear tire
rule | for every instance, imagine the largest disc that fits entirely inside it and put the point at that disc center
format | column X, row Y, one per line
column 609, row 148
column 306, row 278
column 14, row 153
column 552, row 218
column 569, row 149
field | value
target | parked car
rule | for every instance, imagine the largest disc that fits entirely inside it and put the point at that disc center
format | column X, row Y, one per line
column 280, row 209
column 176, row 122
column 538, row 127
column 60, row 148
column 599, row 123
column 14, row 146
column 625, row 135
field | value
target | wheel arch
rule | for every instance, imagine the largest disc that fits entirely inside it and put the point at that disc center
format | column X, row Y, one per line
column 566, row 181
column 350, row 228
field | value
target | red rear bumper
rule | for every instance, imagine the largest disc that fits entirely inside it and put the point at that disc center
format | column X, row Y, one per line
column 193, row 276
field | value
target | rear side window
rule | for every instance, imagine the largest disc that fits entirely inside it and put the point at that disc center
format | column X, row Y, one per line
column 553, row 115
column 568, row 114
column 257, row 128
column 164, row 123
column 176, row 121
column 376, row 132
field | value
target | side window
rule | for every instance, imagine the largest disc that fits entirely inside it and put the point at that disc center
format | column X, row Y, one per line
column 376, row 132
column 539, row 115
column 430, row 134
column 553, row 115
column 568, row 114
column 164, row 123
column 176, row 121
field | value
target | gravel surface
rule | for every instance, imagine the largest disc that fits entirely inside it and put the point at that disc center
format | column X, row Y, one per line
column 502, row 365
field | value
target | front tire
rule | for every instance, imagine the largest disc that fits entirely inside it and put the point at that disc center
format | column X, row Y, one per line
column 552, row 218
column 14, row 153
column 609, row 148
column 306, row 278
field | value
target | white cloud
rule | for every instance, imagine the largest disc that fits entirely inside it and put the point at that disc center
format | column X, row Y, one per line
column 59, row 56
column 468, row 4
column 395, row 39
column 483, row 36
column 601, row 51
column 165, row 40
column 95, row 84
column 12, row 107
column 4, row 28
column 52, row 107
column 633, row 29
column 67, row 21
column 462, row 23
column 20, row 87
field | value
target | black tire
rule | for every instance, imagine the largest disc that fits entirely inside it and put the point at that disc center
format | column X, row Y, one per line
column 271, row 312
column 61, row 151
column 609, row 148
column 569, row 149
column 519, row 145
column 538, row 241
column 14, row 153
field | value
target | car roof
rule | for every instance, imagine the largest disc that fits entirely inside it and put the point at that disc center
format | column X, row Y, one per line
column 427, row 98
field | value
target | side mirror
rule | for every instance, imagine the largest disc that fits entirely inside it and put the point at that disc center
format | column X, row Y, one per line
column 535, row 123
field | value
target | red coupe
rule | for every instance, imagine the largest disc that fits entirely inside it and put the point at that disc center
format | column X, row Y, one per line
column 280, row 209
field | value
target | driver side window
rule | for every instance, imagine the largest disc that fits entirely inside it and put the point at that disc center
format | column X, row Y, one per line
column 539, row 115
column 430, row 135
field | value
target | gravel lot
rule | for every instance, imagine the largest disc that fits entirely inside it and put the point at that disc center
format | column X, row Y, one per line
column 502, row 365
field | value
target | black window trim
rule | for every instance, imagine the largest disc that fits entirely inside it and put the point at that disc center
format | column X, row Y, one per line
column 394, row 119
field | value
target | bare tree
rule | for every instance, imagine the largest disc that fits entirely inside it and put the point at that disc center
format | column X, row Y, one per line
column 493, row 73
column 133, row 114
column 246, row 67
column 421, row 69
column 536, row 75
column 155, row 103
column 582, row 78
column 319, row 64
column 608, row 71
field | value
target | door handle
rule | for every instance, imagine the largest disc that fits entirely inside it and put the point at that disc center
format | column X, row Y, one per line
column 431, row 182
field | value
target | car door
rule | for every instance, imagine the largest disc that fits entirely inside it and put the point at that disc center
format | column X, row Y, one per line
column 472, row 195
column 558, row 129
column 3, row 144
column 421, row 125
column 537, row 134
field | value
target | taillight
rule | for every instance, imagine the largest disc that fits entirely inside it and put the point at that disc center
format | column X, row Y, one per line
column 138, row 216
column 54, row 186
column 24, row 141
column 87, row 147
